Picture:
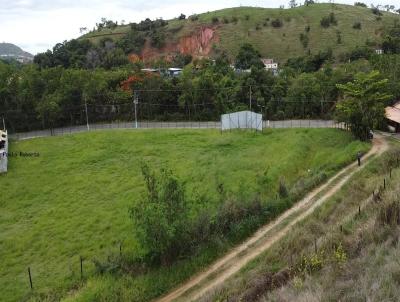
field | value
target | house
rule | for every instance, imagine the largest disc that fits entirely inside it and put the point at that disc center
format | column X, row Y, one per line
column 393, row 117
column 270, row 65
column 379, row 51
column 173, row 72
column 3, row 139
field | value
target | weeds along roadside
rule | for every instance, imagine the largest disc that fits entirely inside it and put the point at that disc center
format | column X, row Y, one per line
column 326, row 242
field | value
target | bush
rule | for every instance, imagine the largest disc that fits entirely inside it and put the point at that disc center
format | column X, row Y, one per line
column 214, row 20
column 304, row 40
column 357, row 25
column 376, row 11
column 194, row 18
column 283, row 190
column 328, row 20
column 307, row 29
column 338, row 37
column 182, row 17
column 234, row 19
column 225, row 20
column 360, row 4
column 247, row 17
column 277, row 23
column 160, row 216
column 325, row 23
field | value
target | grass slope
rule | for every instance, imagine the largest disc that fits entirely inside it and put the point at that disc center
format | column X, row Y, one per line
column 73, row 199
column 283, row 43
column 367, row 268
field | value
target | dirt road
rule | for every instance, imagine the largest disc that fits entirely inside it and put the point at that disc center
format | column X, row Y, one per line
column 263, row 239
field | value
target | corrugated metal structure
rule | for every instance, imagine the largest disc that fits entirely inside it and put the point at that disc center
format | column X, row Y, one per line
column 3, row 151
column 242, row 120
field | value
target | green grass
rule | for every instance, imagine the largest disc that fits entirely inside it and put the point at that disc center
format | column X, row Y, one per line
column 283, row 43
column 365, row 243
column 73, row 199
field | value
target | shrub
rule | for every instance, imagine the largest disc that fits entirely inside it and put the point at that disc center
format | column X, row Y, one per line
column 283, row 191
column 328, row 20
column 214, row 20
column 357, row 25
column 376, row 11
column 225, row 20
column 182, row 17
column 247, row 17
column 360, row 4
column 332, row 19
column 338, row 37
column 304, row 40
column 277, row 23
column 194, row 18
column 325, row 23
column 160, row 216
column 234, row 19
column 307, row 29
column 389, row 214
column 258, row 27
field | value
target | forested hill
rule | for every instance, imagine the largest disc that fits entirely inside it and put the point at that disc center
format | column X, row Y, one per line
column 276, row 33
column 8, row 50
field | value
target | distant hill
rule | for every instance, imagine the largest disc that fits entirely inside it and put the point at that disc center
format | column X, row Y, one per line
column 10, row 51
column 276, row 33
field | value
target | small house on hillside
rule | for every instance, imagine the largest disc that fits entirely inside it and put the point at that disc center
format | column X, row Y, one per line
column 270, row 65
column 393, row 117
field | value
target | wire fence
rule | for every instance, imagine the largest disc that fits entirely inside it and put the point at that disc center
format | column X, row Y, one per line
column 282, row 124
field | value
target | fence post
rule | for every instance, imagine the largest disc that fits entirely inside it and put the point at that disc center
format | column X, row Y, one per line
column 315, row 245
column 384, row 183
column 30, row 277
column 81, row 260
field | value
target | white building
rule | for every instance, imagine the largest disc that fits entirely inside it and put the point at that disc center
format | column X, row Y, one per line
column 270, row 65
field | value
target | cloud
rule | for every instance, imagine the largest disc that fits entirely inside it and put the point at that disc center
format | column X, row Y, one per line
column 37, row 25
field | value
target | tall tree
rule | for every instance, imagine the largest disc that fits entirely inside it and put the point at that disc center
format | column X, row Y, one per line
column 363, row 105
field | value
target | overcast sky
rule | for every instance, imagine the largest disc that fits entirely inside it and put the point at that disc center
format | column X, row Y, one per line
column 37, row 25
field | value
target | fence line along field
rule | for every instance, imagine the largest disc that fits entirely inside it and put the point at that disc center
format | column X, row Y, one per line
column 71, row 199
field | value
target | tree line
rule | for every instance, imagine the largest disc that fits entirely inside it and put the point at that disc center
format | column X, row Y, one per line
column 56, row 89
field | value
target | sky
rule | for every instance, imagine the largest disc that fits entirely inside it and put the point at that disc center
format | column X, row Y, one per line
column 37, row 25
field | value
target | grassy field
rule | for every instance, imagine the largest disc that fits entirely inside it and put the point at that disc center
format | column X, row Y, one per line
column 254, row 26
column 365, row 267
column 73, row 199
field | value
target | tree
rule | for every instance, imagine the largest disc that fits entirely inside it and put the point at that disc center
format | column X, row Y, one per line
column 308, row 2
column 292, row 3
column 247, row 57
column 363, row 105
column 182, row 17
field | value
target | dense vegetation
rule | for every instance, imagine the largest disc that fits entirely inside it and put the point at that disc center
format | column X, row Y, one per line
column 54, row 90
column 74, row 199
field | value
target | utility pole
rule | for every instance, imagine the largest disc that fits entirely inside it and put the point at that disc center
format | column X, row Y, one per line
column 250, row 97
column 4, row 125
column 135, row 102
column 87, row 117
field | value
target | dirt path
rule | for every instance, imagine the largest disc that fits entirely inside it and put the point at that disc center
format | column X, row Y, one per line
column 236, row 259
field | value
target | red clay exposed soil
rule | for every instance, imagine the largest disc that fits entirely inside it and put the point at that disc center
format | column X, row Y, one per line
column 198, row 44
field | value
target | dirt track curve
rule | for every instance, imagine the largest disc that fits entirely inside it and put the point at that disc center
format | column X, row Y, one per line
column 236, row 259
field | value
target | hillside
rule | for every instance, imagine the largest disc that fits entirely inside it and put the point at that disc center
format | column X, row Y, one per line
column 347, row 250
column 11, row 51
column 228, row 29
